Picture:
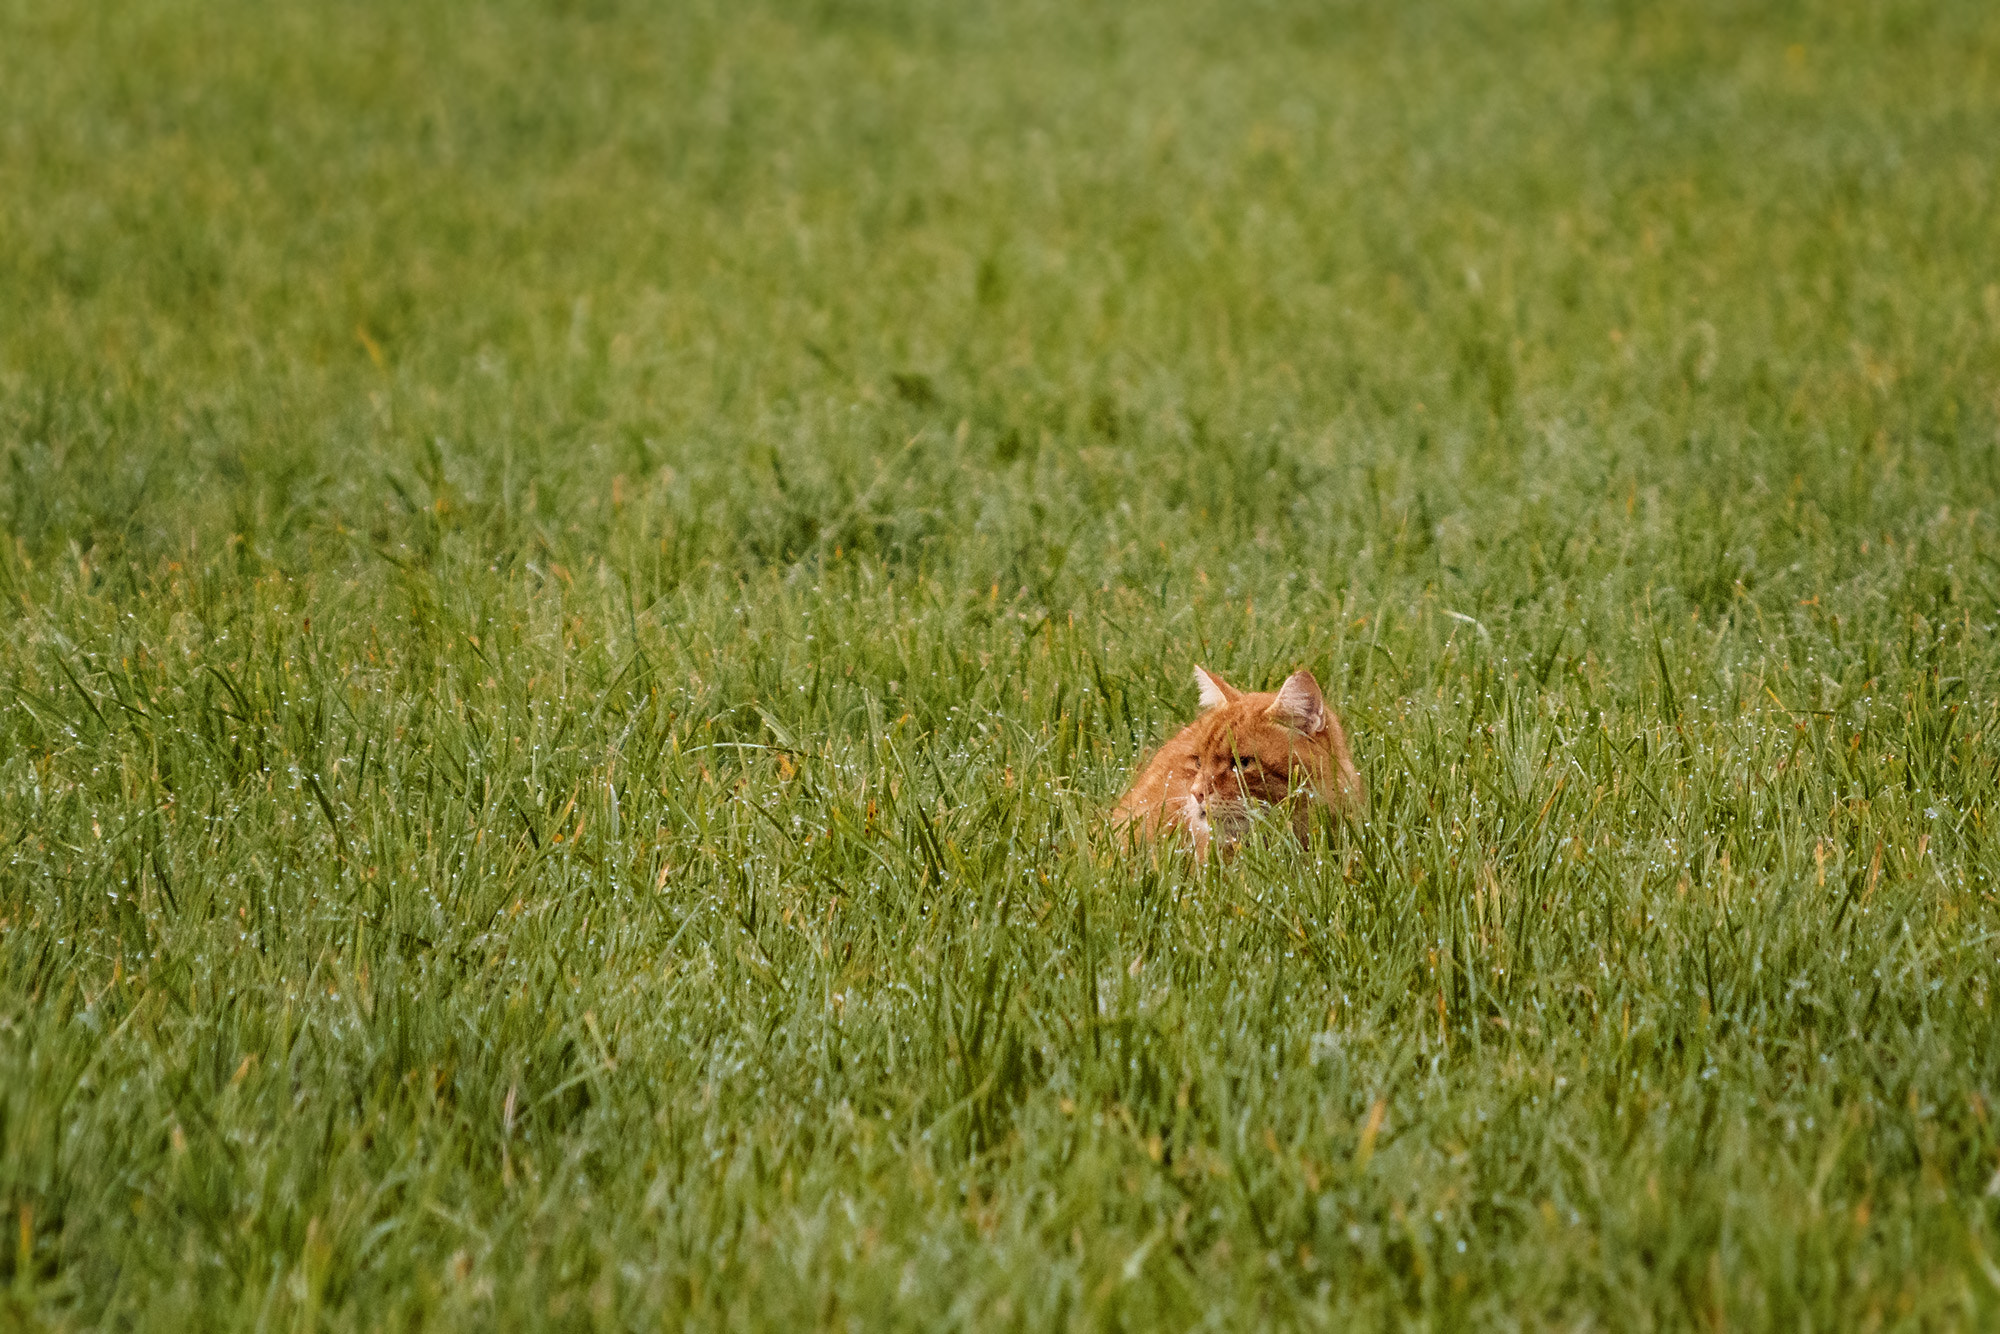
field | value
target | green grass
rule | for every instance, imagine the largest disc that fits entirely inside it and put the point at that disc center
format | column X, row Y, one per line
column 580, row 577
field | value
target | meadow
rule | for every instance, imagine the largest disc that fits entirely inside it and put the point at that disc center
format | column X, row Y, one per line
column 579, row 578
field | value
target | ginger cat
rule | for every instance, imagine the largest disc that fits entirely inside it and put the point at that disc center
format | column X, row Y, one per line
column 1283, row 746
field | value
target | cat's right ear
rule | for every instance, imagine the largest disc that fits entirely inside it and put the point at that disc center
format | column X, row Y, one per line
column 1299, row 704
column 1215, row 692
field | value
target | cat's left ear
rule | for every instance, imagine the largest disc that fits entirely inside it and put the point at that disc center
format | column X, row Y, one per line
column 1299, row 704
column 1215, row 692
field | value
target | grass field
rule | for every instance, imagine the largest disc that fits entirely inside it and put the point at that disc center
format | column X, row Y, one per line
column 579, row 579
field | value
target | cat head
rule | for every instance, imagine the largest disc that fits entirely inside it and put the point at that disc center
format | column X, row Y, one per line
column 1262, row 746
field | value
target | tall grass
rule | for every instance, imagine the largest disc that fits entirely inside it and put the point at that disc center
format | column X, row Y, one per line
column 580, row 578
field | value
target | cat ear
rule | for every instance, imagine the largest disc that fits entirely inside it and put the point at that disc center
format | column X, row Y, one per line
column 1215, row 692
column 1299, row 705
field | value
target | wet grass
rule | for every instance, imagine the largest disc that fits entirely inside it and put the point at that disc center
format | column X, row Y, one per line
column 579, row 581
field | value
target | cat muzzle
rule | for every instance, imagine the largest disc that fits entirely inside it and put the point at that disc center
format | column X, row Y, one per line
column 1225, row 818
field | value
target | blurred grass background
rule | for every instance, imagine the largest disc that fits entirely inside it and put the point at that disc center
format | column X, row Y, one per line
column 579, row 577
